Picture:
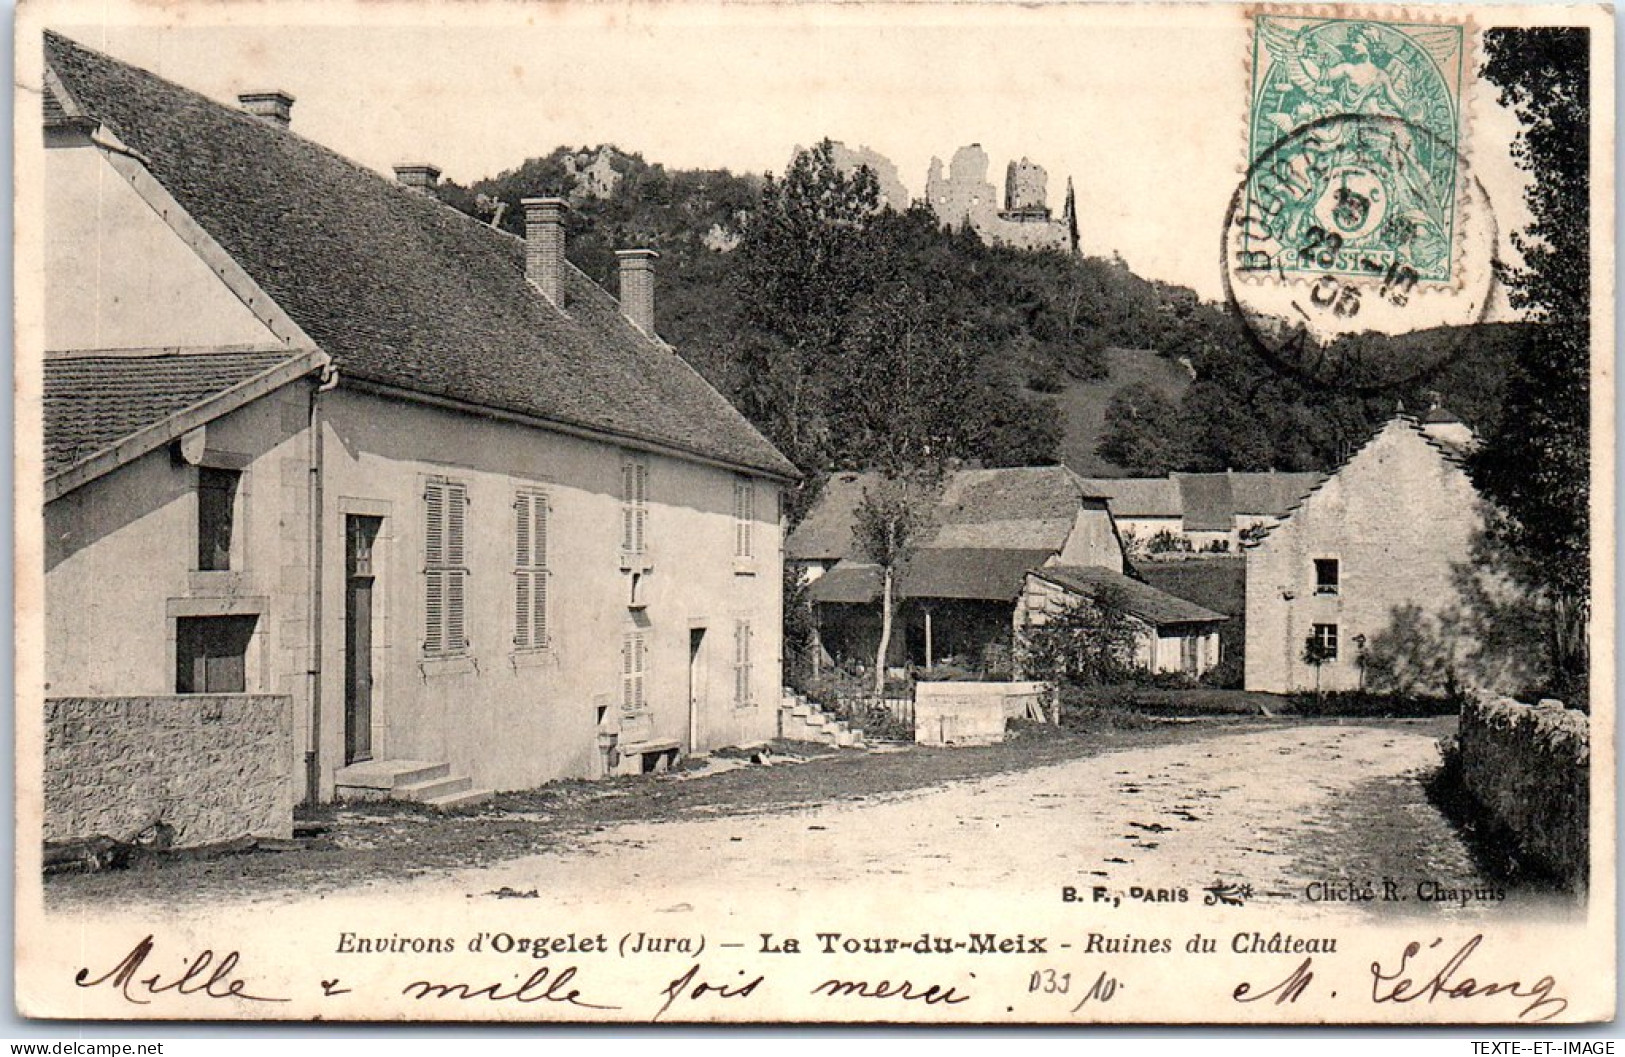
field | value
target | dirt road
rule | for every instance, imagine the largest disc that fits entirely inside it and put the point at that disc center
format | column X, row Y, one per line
column 1276, row 809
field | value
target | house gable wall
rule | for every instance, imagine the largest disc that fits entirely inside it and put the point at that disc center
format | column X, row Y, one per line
column 1093, row 539
column 117, row 276
column 121, row 557
column 1399, row 518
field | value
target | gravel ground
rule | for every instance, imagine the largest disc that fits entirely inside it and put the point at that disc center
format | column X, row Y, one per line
column 1267, row 805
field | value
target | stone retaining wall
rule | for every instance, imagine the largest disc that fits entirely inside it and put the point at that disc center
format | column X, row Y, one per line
column 212, row 766
column 1529, row 766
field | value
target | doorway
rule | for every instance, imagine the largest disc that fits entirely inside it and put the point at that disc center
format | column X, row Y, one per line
column 360, row 537
column 696, row 686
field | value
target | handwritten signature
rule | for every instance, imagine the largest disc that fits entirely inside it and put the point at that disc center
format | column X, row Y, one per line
column 1406, row 983
column 1400, row 986
column 201, row 975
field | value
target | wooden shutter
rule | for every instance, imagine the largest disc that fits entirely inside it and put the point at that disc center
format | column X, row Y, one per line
column 445, row 566
column 456, row 565
column 434, row 559
column 530, row 570
column 634, row 664
column 628, row 695
column 641, row 504
column 628, row 500
column 744, row 516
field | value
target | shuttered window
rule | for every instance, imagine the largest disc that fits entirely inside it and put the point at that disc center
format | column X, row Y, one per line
column 744, row 515
column 445, row 570
column 634, row 668
column 742, row 666
column 634, row 504
column 530, row 571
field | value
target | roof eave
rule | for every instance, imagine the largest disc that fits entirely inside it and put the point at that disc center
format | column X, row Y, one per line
column 573, row 429
column 132, row 447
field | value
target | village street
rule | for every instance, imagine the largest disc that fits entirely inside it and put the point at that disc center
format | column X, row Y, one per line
column 1278, row 808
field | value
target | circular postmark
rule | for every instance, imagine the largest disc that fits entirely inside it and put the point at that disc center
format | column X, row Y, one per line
column 1351, row 246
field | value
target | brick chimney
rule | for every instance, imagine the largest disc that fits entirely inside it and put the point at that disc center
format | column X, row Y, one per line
column 419, row 176
column 544, row 246
column 275, row 106
column 638, row 287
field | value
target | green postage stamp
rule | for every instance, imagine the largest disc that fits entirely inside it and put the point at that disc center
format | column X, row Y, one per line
column 1353, row 149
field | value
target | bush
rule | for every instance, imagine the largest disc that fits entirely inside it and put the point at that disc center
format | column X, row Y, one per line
column 1365, row 703
column 1227, row 674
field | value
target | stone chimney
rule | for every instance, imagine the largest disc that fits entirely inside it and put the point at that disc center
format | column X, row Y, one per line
column 544, row 246
column 419, row 176
column 638, row 287
column 275, row 106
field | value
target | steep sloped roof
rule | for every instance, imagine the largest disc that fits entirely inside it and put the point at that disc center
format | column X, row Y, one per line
column 973, row 574
column 825, row 534
column 1022, row 508
column 1135, row 497
column 1139, row 599
column 399, row 289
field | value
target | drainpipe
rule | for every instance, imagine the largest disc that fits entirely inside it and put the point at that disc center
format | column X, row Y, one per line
column 313, row 631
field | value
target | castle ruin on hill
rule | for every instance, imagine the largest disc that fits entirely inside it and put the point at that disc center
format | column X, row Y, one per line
column 1021, row 219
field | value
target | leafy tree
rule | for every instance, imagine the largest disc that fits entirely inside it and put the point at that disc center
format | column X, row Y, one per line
column 1535, row 467
column 1142, row 432
column 1316, row 654
column 1089, row 641
column 890, row 522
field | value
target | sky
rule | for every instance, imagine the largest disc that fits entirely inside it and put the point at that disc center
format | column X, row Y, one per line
column 1144, row 108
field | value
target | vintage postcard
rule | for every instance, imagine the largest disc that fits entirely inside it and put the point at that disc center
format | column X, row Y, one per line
column 816, row 513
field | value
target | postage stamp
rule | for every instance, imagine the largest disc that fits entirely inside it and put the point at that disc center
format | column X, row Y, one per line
column 1361, row 210
column 1354, row 129
column 774, row 513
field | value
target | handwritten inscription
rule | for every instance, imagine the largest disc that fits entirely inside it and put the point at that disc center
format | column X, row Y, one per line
column 902, row 990
column 543, row 985
column 1451, row 982
column 201, row 975
column 690, row 987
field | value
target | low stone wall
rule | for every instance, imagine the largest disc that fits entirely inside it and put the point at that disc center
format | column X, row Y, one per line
column 965, row 713
column 211, row 766
column 1529, row 766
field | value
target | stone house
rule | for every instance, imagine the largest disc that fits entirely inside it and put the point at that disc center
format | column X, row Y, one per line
column 1170, row 634
column 310, row 432
column 958, row 591
column 1390, row 531
column 1202, row 512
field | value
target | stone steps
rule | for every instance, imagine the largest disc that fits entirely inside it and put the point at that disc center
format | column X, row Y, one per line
column 416, row 781
column 802, row 720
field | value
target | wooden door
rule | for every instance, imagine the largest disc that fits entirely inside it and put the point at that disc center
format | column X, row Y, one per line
column 361, row 533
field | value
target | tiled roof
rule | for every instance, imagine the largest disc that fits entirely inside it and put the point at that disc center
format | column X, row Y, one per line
column 1136, row 497
column 1270, row 493
column 1218, row 583
column 1207, row 502
column 399, row 289
column 825, row 534
column 1022, row 508
column 1139, row 599
column 989, row 575
column 93, row 402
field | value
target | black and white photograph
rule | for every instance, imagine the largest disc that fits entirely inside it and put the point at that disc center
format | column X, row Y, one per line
column 902, row 513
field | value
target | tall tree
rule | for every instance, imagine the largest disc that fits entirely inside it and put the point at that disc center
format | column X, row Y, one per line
column 806, row 257
column 1535, row 466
